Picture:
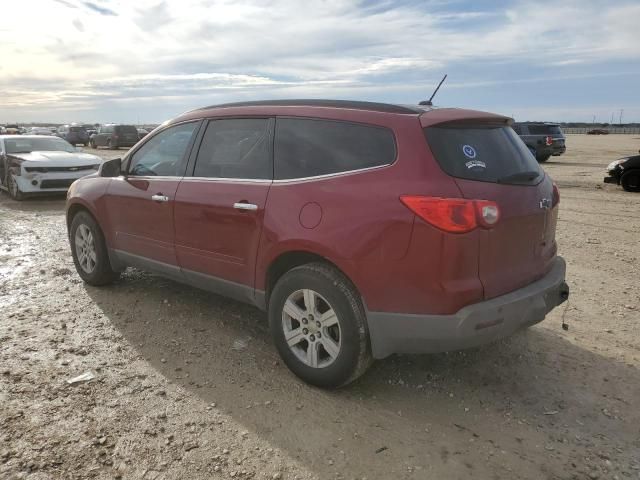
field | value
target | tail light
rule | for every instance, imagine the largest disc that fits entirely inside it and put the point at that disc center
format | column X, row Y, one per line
column 453, row 215
column 556, row 195
column 548, row 141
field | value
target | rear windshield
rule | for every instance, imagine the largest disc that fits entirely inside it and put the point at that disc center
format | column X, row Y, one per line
column 483, row 153
column 544, row 130
column 126, row 129
column 76, row 129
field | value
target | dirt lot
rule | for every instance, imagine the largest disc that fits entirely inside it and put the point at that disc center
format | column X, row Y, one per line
column 188, row 385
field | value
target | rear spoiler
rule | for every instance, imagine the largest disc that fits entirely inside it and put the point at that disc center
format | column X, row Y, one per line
column 459, row 115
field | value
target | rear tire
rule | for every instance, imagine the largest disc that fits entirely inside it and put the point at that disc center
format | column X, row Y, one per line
column 543, row 158
column 89, row 251
column 317, row 308
column 630, row 181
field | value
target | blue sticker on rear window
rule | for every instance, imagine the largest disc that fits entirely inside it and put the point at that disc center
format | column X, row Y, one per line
column 469, row 151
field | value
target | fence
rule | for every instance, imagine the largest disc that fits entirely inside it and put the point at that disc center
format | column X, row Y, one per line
column 629, row 130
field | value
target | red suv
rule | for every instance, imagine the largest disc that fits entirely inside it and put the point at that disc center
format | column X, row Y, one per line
column 363, row 229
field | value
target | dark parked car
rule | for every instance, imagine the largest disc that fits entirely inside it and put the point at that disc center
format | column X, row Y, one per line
column 543, row 139
column 626, row 172
column 73, row 134
column 115, row 136
column 598, row 131
column 363, row 229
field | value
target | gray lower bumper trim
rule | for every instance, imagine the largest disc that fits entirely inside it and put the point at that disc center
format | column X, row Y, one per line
column 473, row 325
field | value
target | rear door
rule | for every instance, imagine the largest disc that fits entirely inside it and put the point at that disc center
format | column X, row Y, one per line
column 490, row 162
column 141, row 203
column 99, row 137
column 219, row 208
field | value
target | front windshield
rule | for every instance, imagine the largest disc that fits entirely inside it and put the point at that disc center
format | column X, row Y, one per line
column 28, row 145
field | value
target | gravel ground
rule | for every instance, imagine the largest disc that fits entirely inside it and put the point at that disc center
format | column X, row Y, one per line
column 188, row 385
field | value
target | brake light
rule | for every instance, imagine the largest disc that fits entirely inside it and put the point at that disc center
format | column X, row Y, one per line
column 549, row 141
column 453, row 215
column 556, row 195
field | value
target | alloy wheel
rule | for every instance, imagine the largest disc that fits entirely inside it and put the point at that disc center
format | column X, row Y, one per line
column 311, row 328
column 86, row 248
column 12, row 186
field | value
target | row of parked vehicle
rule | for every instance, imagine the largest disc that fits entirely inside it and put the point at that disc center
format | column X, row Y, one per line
column 109, row 135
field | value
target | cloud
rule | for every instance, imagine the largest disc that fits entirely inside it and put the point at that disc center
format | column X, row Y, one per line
column 152, row 18
column 191, row 52
column 78, row 24
column 101, row 10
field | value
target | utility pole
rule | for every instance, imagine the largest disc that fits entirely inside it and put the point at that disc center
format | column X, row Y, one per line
column 621, row 110
column 594, row 120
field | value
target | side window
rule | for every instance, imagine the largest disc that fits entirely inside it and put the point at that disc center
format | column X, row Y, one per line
column 517, row 129
column 308, row 148
column 235, row 148
column 164, row 153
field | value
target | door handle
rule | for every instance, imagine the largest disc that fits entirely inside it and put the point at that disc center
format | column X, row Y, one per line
column 245, row 206
column 159, row 198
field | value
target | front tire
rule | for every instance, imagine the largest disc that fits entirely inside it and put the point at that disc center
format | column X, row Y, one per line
column 318, row 324
column 14, row 188
column 630, row 181
column 89, row 251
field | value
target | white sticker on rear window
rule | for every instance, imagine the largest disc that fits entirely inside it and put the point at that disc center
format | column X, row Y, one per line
column 469, row 151
column 475, row 163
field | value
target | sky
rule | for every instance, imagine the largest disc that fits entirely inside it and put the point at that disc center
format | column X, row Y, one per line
column 145, row 61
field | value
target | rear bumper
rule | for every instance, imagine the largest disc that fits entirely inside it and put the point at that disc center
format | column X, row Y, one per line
column 471, row 326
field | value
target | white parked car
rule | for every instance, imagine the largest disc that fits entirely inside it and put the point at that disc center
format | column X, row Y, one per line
column 30, row 164
column 39, row 131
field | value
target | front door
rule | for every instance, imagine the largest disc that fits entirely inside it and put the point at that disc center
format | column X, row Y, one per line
column 219, row 209
column 141, row 203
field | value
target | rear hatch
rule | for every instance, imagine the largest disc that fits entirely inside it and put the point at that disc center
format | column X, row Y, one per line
column 127, row 133
column 488, row 161
column 77, row 132
column 552, row 133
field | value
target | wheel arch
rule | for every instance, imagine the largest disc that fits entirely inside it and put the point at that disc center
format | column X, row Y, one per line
column 290, row 259
column 74, row 208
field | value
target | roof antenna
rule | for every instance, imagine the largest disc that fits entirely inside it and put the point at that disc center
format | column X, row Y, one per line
column 428, row 103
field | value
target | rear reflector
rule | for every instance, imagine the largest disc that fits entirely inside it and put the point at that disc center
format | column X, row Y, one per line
column 453, row 215
column 488, row 213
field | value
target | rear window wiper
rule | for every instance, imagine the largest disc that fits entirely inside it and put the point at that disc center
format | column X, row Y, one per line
column 527, row 176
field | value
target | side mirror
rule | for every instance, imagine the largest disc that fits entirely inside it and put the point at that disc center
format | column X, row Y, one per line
column 111, row 168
